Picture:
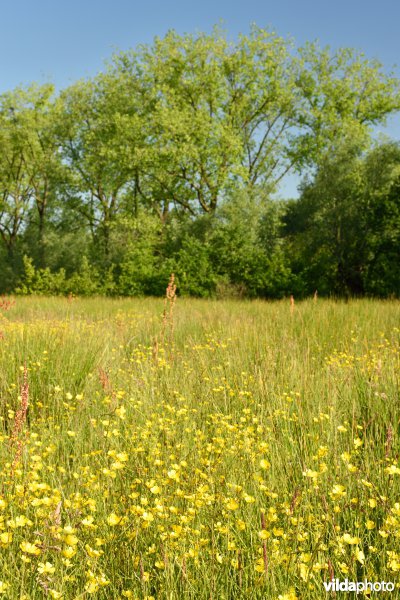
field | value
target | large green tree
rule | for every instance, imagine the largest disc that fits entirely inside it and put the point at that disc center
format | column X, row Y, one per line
column 343, row 233
column 227, row 114
column 30, row 164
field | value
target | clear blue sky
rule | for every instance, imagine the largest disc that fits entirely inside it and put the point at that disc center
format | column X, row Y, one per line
column 59, row 41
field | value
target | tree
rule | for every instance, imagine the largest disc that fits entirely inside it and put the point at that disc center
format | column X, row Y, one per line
column 30, row 166
column 100, row 135
column 227, row 115
column 344, row 230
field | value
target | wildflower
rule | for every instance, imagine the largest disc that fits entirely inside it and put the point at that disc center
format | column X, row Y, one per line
column 311, row 474
column 172, row 474
column 360, row 556
column 69, row 552
column 232, row 504
column 348, row 539
column 290, row 595
column 338, row 491
column 29, row 548
column 6, row 538
column 113, row 519
column 45, row 568
column 392, row 470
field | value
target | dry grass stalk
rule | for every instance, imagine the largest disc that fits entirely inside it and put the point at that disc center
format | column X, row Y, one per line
column 168, row 313
column 6, row 303
column 389, row 440
column 294, row 500
column 107, row 387
column 154, row 351
column 265, row 555
column 291, row 304
column 239, row 566
column 20, row 419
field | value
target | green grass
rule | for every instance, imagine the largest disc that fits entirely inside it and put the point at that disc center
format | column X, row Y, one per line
column 245, row 452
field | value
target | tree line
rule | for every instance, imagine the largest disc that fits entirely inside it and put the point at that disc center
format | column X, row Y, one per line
column 169, row 159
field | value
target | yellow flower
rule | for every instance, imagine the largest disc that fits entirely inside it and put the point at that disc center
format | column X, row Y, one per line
column 392, row 470
column 260, row 566
column 264, row 464
column 311, row 474
column 6, row 538
column 369, row 524
column 71, row 540
column 3, row 587
column 172, row 474
column 69, row 552
column 360, row 556
column 232, row 504
column 241, row 524
column 44, row 568
column 290, row 595
column 348, row 539
column 343, row 568
column 383, row 533
column 93, row 553
column 91, row 587
column 147, row 516
column 120, row 412
column 113, row 519
column 29, row 548
column 338, row 491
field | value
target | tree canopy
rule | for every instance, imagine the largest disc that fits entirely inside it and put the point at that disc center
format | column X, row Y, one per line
column 170, row 136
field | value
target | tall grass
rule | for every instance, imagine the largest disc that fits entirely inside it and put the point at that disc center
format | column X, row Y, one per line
column 223, row 450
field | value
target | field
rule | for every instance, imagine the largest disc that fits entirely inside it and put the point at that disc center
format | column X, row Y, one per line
column 226, row 450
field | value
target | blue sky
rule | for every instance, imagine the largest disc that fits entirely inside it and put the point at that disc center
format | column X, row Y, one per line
column 59, row 41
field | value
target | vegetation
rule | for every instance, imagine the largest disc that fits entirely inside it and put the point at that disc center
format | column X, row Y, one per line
column 168, row 161
column 225, row 450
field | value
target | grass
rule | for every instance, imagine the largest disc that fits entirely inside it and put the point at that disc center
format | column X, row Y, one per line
column 239, row 450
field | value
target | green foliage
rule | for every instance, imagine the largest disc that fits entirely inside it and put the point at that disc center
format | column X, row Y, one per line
column 168, row 160
column 194, row 269
column 343, row 232
column 40, row 281
column 85, row 282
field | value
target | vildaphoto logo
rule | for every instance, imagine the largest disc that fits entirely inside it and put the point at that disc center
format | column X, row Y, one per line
column 335, row 585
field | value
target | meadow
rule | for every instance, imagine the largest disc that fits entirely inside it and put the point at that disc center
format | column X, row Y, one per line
column 208, row 450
